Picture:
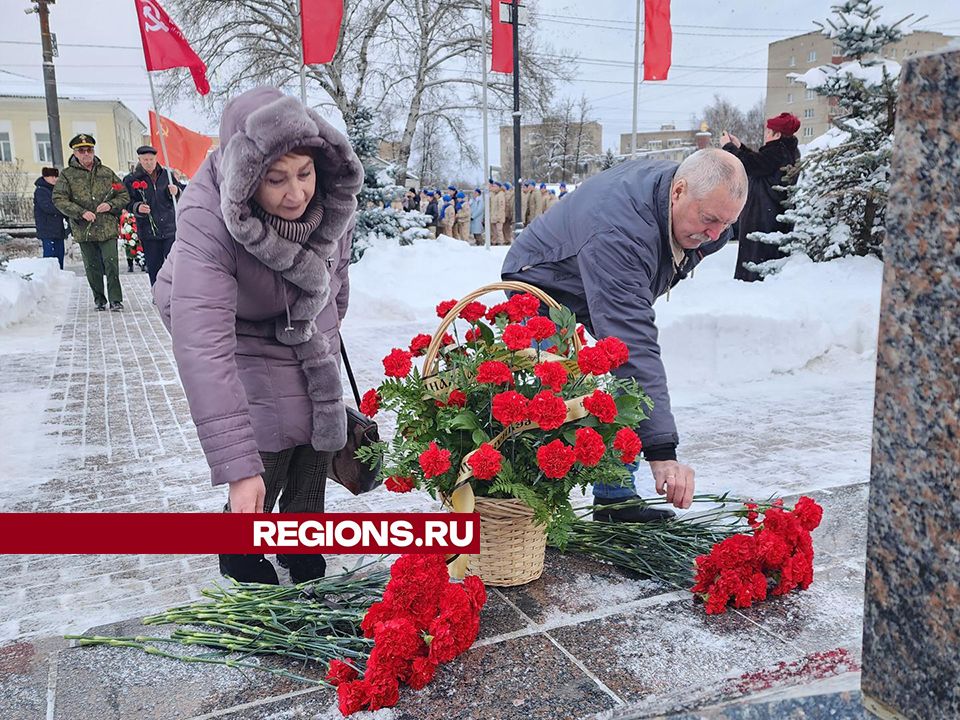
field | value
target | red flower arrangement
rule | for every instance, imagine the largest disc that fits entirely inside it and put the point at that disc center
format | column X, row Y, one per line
column 775, row 557
column 141, row 186
column 423, row 621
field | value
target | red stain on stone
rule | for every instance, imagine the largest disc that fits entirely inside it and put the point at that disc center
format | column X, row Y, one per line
column 812, row 667
column 16, row 658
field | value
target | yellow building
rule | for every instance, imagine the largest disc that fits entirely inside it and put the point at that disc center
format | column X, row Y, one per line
column 804, row 52
column 25, row 135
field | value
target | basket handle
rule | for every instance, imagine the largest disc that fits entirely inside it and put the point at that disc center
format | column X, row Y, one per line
column 430, row 360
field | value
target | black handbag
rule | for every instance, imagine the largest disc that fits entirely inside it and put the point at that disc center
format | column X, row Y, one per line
column 354, row 475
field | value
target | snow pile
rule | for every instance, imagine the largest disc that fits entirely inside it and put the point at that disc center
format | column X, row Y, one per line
column 870, row 72
column 713, row 329
column 717, row 330
column 24, row 283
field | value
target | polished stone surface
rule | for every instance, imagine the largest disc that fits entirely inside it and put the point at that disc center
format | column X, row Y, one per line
column 911, row 640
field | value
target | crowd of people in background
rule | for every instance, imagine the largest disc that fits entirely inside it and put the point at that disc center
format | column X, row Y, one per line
column 462, row 214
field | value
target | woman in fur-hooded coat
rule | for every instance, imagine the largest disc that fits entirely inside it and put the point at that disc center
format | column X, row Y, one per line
column 253, row 301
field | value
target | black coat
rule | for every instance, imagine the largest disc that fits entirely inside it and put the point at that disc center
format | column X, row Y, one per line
column 49, row 220
column 434, row 212
column 157, row 196
column 764, row 171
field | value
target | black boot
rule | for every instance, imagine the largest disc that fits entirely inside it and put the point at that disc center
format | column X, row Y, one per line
column 638, row 513
column 129, row 265
column 303, row 567
column 249, row 568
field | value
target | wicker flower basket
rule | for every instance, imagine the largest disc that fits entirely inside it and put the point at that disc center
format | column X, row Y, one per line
column 512, row 546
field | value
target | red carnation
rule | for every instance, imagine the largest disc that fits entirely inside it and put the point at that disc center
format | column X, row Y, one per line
column 370, row 403
column 445, row 307
column 627, row 442
column 434, row 461
column 474, row 335
column 808, row 512
column 352, row 696
column 547, row 410
column 602, row 406
column 399, row 484
column 473, row 312
column 517, row 337
column 421, row 673
column 551, row 374
column 589, row 448
column 582, row 334
column 397, row 364
column 593, row 360
column 498, row 309
column 520, row 307
column 455, row 629
column 457, row 399
column 116, row 186
column 510, row 407
column 485, row 462
column 447, row 339
column 340, row 671
column 555, row 459
column 418, row 346
column 616, row 351
column 476, row 590
column 541, row 327
column 493, row 372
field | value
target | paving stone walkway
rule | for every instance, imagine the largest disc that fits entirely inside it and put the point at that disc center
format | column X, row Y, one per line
column 584, row 639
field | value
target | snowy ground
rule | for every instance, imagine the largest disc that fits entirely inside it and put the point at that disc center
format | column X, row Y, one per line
column 772, row 388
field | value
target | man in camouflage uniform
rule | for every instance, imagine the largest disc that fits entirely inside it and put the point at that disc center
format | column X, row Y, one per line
column 92, row 196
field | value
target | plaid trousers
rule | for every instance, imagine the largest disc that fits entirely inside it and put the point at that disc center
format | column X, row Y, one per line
column 297, row 476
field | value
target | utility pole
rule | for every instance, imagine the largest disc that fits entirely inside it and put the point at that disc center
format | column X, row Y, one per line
column 517, row 195
column 40, row 7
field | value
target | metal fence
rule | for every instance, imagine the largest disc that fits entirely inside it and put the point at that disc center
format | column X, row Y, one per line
column 16, row 211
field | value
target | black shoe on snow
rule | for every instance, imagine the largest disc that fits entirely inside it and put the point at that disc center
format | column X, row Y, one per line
column 116, row 306
column 101, row 307
column 249, row 569
column 304, row 567
column 638, row 513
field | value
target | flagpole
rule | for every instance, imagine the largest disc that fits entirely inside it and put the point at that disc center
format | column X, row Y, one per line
column 486, row 149
column 303, row 66
column 636, row 78
column 163, row 141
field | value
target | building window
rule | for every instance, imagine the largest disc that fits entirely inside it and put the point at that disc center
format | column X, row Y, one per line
column 837, row 51
column 655, row 144
column 789, row 98
column 808, row 132
column 44, row 153
column 808, row 113
column 6, row 148
column 893, row 52
column 791, row 80
column 811, row 94
column 812, row 56
column 675, row 142
column 793, row 61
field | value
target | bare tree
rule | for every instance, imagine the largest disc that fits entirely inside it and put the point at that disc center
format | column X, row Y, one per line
column 722, row 114
column 586, row 149
column 755, row 121
column 407, row 60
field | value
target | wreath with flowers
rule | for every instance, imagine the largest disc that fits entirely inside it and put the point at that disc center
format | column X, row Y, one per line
column 514, row 405
column 130, row 238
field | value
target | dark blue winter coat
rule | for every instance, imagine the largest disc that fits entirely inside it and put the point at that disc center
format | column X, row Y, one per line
column 157, row 196
column 604, row 252
column 49, row 220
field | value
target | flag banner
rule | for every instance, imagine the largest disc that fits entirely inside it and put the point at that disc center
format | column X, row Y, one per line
column 501, row 59
column 238, row 533
column 657, row 39
column 320, row 24
column 188, row 149
column 165, row 47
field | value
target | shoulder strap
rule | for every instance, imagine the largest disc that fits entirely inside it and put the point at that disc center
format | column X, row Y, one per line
column 346, row 365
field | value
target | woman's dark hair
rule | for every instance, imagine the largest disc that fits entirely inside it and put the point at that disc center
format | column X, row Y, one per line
column 50, row 172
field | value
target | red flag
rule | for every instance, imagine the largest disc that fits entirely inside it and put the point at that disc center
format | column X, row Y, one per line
column 165, row 47
column 320, row 25
column 187, row 149
column 657, row 39
column 502, row 39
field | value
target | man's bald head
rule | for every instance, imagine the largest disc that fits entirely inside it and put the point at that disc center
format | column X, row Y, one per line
column 708, row 193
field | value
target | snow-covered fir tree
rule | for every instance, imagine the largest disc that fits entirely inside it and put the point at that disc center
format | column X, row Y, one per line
column 838, row 203
column 375, row 217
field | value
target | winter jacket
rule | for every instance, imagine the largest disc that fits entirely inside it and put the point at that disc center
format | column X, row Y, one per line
column 424, row 203
column 157, row 196
column 764, row 171
column 463, row 214
column 433, row 212
column 508, row 201
column 448, row 215
column 476, row 215
column 234, row 317
column 604, row 252
column 534, row 206
column 49, row 220
column 79, row 190
column 524, row 206
column 497, row 207
column 551, row 200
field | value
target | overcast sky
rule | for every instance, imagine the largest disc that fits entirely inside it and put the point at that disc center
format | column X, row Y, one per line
column 718, row 47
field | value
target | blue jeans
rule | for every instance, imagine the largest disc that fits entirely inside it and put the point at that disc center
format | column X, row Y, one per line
column 616, row 492
column 54, row 249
